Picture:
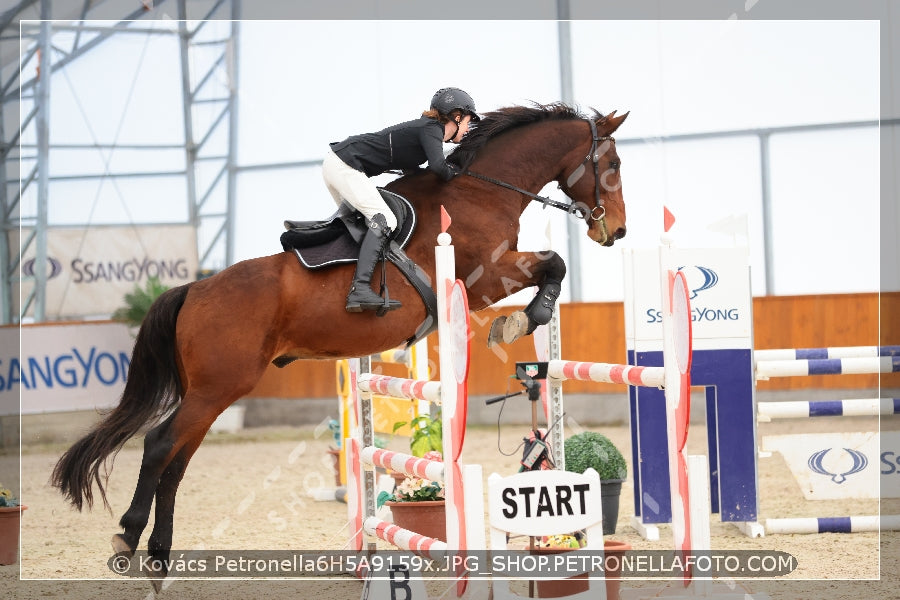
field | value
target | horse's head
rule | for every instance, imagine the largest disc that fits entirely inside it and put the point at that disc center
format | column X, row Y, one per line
column 595, row 185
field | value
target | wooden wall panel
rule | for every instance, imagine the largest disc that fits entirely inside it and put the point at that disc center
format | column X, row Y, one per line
column 596, row 331
column 817, row 322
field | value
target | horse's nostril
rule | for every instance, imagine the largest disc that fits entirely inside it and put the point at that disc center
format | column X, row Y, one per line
column 620, row 233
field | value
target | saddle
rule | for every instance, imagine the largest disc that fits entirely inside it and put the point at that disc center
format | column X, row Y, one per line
column 336, row 240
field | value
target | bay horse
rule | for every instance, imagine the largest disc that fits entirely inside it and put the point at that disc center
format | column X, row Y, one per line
column 204, row 345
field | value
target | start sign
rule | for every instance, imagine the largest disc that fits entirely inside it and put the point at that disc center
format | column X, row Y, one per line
column 546, row 501
column 539, row 503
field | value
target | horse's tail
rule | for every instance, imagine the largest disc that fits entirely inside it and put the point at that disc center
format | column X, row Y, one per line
column 152, row 388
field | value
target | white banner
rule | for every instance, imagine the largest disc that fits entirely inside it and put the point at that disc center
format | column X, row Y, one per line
column 719, row 288
column 77, row 366
column 89, row 271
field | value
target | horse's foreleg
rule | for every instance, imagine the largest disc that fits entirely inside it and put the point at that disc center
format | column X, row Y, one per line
column 540, row 310
column 516, row 270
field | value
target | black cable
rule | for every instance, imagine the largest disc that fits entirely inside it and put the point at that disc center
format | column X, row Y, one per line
column 500, row 414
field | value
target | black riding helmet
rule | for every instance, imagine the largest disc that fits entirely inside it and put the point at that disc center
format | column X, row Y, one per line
column 451, row 98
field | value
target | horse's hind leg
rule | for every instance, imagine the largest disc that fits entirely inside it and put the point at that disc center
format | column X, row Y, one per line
column 158, row 445
column 190, row 425
column 160, row 543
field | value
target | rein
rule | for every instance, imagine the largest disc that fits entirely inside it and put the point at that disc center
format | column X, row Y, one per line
column 572, row 207
column 542, row 199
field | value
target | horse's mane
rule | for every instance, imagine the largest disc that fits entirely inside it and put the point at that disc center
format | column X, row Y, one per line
column 496, row 122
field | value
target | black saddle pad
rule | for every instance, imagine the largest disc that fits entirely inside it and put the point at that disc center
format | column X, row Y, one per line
column 335, row 241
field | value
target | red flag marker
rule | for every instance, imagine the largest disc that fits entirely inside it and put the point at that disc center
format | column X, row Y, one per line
column 668, row 219
column 445, row 220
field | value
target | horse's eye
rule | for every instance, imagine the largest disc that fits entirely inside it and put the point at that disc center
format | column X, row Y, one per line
column 614, row 165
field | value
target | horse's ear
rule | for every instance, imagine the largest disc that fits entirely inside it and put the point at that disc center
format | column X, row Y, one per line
column 611, row 122
column 602, row 119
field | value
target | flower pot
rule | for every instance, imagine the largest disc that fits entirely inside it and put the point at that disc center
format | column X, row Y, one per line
column 559, row 588
column 613, row 550
column 10, row 517
column 610, row 490
column 427, row 517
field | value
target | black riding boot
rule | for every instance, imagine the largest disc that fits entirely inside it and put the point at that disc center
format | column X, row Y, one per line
column 361, row 296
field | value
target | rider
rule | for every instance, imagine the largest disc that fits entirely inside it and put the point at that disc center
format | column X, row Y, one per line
column 348, row 165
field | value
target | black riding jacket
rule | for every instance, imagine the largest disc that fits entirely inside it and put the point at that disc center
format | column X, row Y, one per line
column 404, row 146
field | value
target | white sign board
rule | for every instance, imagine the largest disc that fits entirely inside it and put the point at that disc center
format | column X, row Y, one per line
column 536, row 503
column 79, row 366
column 395, row 582
column 719, row 290
column 830, row 466
column 89, row 271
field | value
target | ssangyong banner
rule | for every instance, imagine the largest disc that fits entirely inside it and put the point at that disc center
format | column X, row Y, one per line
column 721, row 301
column 89, row 271
column 63, row 367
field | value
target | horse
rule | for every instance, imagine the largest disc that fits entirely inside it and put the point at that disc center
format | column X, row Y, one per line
column 205, row 344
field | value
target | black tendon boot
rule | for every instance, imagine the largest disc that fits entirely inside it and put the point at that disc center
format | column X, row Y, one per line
column 361, row 296
column 540, row 309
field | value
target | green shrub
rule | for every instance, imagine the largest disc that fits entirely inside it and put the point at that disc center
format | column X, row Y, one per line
column 427, row 434
column 590, row 449
column 138, row 302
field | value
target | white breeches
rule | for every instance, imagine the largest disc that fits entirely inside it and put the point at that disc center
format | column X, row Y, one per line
column 346, row 184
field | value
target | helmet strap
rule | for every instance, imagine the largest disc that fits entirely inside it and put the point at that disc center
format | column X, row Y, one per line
column 455, row 131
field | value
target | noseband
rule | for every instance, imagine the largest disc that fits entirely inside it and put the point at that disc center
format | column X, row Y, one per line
column 598, row 212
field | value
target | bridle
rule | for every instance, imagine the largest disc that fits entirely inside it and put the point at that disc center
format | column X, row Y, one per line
column 594, row 157
column 598, row 212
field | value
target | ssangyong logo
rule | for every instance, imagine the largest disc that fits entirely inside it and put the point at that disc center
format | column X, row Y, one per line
column 815, row 463
column 55, row 267
column 699, row 278
column 110, row 271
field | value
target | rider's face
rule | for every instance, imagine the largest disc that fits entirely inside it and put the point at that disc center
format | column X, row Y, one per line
column 450, row 129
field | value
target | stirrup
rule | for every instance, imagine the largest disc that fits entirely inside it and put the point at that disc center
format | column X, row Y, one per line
column 369, row 301
column 380, row 308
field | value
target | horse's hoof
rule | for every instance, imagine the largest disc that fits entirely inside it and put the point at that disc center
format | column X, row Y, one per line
column 157, row 577
column 120, row 546
column 156, row 580
column 515, row 327
column 495, row 335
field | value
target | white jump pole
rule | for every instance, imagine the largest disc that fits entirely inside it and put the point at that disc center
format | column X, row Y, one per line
column 859, row 524
column 831, row 352
column 856, row 407
column 766, row 369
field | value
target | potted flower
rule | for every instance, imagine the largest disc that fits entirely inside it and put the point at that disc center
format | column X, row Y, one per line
column 590, row 449
column 10, row 518
column 558, row 588
column 417, row 504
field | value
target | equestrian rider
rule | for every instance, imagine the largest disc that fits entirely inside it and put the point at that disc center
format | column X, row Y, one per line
column 349, row 164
